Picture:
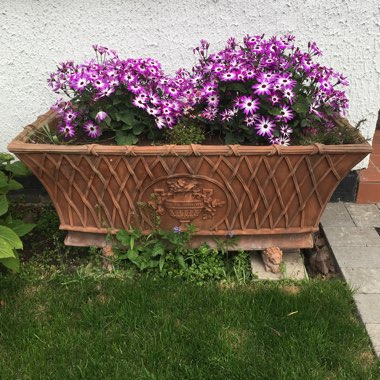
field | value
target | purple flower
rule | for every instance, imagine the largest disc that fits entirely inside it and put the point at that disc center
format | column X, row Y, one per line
column 265, row 126
column 92, row 129
column 262, row 88
column 80, row 83
column 100, row 116
column 286, row 113
column 249, row 105
column 177, row 230
column 68, row 130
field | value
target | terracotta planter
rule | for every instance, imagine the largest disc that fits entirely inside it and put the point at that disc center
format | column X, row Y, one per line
column 268, row 196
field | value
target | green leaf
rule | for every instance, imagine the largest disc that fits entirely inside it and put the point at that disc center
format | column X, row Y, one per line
column 127, row 118
column 274, row 111
column 133, row 256
column 19, row 227
column 3, row 204
column 138, row 129
column 233, row 138
column 181, row 262
column 14, row 185
column 125, row 139
column 302, row 105
column 238, row 87
column 12, row 263
column 123, row 236
column 161, row 263
column 117, row 100
column 6, row 249
column 17, row 168
column 11, row 237
column 157, row 250
column 5, row 157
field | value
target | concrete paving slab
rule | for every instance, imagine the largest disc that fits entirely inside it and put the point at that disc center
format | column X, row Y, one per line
column 369, row 307
column 358, row 257
column 374, row 333
column 352, row 237
column 364, row 281
column 293, row 266
column 336, row 215
column 364, row 215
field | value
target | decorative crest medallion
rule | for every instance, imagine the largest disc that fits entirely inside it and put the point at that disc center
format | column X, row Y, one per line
column 185, row 200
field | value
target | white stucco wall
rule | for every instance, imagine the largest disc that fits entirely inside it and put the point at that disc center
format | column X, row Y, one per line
column 36, row 34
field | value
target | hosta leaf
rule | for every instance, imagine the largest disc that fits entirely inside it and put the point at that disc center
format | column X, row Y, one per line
column 11, row 237
column 12, row 263
column 14, row 185
column 6, row 249
column 17, row 168
column 3, row 204
column 19, row 227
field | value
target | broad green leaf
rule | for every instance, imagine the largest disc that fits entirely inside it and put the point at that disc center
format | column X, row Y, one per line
column 11, row 237
column 157, row 250
column 17, row 168
column 6, row 249
column 14, row 185
column 3, row 204
column 5, row 157
column 19, row 227
column 133, row 256
column 123, row 139
column 123, row 236
column 127, row 118
column 12, row 263
column 138, row 129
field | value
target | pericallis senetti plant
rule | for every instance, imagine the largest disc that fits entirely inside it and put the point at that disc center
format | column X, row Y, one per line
column 258, row 92
column 262, row 91
column 129, row 97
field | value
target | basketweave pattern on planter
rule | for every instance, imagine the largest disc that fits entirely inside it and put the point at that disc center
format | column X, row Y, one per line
column 105, row 192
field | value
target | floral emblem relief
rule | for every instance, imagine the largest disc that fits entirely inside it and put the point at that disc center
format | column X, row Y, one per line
column 185, row 200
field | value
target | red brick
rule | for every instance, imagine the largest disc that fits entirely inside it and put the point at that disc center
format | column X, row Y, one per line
column 368, row 193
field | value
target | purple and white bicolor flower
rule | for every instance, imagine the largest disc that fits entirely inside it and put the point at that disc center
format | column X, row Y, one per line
column 101, row 116
column 92, row 129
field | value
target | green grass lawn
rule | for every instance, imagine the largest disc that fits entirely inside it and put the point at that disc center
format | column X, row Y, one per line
column 82, row 327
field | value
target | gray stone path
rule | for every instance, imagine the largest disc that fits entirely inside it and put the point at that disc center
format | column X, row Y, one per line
column 350, row 231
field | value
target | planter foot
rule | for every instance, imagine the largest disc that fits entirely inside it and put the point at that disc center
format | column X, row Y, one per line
column 272, row 258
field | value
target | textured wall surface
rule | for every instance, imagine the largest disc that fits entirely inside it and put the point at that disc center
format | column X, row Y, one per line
column 37, row 34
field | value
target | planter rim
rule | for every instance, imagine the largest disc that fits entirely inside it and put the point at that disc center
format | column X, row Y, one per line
column 19, row 145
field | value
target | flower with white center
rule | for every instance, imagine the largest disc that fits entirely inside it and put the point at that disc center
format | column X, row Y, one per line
column 265, row 126
column 91, row 129
column 249, row 105
column 262, row 88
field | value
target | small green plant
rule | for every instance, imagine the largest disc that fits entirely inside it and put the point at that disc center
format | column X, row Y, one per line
column 151, row 250
column 182, row 134
column 10, row 229
column 242, row 267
